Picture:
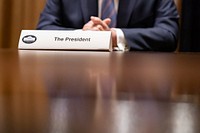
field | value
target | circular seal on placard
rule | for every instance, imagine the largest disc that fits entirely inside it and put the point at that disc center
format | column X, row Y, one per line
column 29, row 39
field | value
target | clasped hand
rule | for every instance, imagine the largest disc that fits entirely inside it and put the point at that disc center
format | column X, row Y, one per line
column 96, row 24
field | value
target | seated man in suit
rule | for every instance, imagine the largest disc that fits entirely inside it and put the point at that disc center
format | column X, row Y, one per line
column 140, row 24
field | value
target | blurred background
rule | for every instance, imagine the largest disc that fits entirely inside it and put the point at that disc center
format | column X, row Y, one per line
column 16, row 15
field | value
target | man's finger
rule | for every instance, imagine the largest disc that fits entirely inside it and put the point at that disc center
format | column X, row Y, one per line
column 88, row 26
column 107, row 21
column 98, row 21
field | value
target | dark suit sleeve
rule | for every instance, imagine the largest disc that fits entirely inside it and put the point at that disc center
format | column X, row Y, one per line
column 50, row 18
column 162, row 36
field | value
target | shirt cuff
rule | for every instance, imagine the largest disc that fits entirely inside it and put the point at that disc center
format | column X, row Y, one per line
column 121, row 41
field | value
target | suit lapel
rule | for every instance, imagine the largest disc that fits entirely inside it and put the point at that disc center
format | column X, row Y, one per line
column 89, row 8
column 125, row 10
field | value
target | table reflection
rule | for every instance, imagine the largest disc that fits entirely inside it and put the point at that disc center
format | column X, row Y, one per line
column 167, row 76
column 69, row 91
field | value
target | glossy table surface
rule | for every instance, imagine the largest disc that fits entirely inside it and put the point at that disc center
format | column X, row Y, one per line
column 99, row 92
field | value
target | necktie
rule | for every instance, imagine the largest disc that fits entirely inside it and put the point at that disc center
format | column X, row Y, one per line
column 108, row 11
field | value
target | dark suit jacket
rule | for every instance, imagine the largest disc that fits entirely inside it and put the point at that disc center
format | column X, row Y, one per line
column 147, row 24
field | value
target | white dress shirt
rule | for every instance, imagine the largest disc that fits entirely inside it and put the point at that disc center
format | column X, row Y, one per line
column 121, row 42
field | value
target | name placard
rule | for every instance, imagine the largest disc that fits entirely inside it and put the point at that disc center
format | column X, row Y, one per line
column 66, row 40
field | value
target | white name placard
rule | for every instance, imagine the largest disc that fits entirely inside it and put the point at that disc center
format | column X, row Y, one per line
column 66, row 40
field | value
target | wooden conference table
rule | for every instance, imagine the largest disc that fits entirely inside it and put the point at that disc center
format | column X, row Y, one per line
column 99, row 92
